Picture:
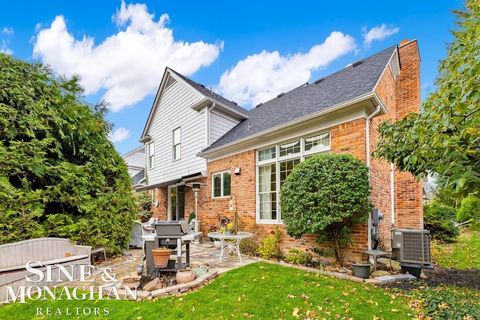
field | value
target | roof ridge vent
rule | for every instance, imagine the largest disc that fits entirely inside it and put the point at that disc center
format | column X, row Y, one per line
column 318, row 81
column 356, row 64
column 281, row 94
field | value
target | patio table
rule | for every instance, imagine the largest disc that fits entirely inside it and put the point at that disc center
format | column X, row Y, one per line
column 225, row 244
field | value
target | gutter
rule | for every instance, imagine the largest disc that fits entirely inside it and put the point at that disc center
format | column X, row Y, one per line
column 367, row 160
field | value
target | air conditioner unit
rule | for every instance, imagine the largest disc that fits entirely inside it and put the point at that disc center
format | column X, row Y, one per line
column 411, row 247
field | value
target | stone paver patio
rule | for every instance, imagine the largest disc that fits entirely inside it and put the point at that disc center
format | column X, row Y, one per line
column 203, row 255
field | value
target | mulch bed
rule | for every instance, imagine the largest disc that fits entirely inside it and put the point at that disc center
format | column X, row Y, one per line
column 439, row 276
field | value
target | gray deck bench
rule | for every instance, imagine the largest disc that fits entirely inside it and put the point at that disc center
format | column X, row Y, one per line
column 48, row 251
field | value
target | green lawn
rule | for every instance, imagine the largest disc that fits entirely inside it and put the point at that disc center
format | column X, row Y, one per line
column 462, row 254
column 257, row 291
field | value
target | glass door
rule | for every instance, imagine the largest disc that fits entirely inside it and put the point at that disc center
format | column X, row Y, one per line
column 176, row 202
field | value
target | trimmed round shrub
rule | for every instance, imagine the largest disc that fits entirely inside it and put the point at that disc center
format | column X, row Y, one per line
column 440, row 220
column 327, row 195
column 60, row 176
column 470, row 211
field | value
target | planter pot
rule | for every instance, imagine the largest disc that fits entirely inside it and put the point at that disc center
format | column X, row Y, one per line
column 161, row 257
column 184, row 276
column 361, row 270
column 217, row 244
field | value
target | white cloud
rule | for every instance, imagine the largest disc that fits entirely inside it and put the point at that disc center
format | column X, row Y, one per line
column 128, row 64
column 380, row 33
column 262, row 76
column 4, row 48
column 7, row 30
column 119, row 135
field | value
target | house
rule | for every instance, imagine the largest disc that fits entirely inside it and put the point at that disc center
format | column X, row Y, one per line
column 241, row 158
column 135, row 161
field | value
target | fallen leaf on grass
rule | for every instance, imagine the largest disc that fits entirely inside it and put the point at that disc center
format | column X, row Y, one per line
column 295, row 312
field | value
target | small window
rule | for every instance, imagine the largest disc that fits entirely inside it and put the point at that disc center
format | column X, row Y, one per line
column 222, row 184
column 176, row 143
column 267, row 154
column 318, row 142
column 289, row 148
column 151, row 155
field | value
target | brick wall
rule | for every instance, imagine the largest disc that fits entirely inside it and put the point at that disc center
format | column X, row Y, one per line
column 401, row 96
column 346, row 138
column 409, row 204
column 159, row 209
column 379, row 168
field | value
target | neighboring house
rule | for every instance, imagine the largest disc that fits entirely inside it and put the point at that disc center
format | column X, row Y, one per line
column 242, row 157
column 135, row 161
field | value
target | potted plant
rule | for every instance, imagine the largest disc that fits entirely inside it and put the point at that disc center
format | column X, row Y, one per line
column 229, row 229
column 361, row 270
column 161, row 257
column 184, row 276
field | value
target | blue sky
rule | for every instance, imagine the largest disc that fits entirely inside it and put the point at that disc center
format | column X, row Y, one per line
column 248, row 51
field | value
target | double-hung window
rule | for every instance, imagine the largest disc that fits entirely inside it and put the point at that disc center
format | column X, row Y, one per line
column 177, row 143
column 151, row 155
column 275, row 163
column 221, row 184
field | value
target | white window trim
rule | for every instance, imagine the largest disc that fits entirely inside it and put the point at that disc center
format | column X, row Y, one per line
column 179, row 144
column 300, row 155
column 150, row 165
column 221, row 173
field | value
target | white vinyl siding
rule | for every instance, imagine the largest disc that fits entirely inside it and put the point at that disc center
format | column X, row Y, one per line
column 275, row 163
column 219, row 125
column 174, row 111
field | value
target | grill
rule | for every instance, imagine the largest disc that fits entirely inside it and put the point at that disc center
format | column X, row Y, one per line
column 169, row 231
column 172, row 228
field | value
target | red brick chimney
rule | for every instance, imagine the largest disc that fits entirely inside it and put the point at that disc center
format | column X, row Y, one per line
column 409, row 191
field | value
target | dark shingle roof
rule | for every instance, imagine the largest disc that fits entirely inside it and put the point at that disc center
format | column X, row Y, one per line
column 344, row 85
column 210, row 94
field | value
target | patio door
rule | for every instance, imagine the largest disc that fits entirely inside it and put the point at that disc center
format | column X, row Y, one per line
column 176, row 202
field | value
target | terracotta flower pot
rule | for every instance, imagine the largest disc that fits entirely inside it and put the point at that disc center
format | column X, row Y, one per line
column 161, row 257
column 184, row 276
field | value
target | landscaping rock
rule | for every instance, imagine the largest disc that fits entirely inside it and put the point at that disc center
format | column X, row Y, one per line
column 159, row 293
column 395, row 277
column 356, row 279
column 130, row 285
column 143, row 294
column 372, row 281
column 379, row 273
column 395, row 264
column 151, row 285
column 130, row 281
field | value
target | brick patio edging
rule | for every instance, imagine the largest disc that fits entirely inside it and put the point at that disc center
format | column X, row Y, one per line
column 375, row 281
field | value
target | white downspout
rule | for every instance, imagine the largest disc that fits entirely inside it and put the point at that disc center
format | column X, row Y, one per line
column 207, row 115
column 392, row 193
column 367, row 148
